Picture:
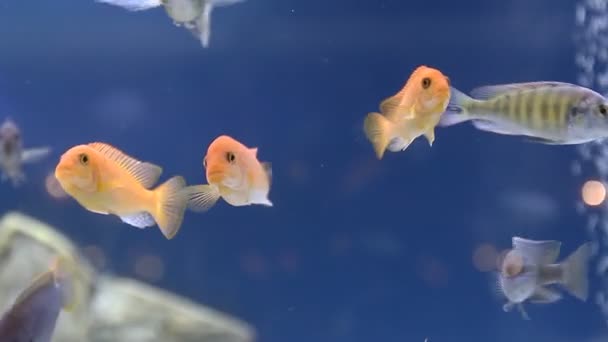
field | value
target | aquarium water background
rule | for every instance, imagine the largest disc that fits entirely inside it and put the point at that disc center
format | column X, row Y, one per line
column 354, row 249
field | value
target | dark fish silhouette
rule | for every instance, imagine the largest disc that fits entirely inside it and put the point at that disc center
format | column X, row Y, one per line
column 33, row 316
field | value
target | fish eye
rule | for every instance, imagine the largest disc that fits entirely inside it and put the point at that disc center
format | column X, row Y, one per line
column 205, row 162
column 230, row 157
column 83, row 158
column 426, row 82
column 603, row 110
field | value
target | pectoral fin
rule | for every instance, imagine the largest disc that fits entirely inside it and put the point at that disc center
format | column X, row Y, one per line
column 430, row 136
column 33, row 155
column 391, row 107
column 523, row 312
column 139, row 220
column 541, row 252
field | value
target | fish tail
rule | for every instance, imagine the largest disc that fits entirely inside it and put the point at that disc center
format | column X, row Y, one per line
column 201, row 197
column 379, row 131
column 575, row 269
column 456, row 111
column 133, row 5
column 171, row 204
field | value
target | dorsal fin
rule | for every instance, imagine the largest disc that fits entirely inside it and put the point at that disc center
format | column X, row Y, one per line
column 540, row 252
column 145, row 173
column 491, row 91
column 391, row 108
column 267, row 167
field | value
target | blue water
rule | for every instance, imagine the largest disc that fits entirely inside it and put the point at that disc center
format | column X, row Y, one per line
column 345, row 253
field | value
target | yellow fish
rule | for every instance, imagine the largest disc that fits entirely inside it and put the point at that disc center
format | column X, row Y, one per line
column 234, row 173
column 106, row 181
column 412, row 112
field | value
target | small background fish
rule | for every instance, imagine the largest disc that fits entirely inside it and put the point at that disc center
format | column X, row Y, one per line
column 13, row 155
column 529, row 270
column 194, row 15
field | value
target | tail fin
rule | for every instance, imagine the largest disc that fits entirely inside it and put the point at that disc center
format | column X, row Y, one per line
column 201, row 197
column 378, row 130
column 456, row 111
column 575, row 269
column 133, row 5
column 171, row 204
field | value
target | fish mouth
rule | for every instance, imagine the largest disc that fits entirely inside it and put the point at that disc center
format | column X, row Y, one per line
column 215, row 176
column 62, row 171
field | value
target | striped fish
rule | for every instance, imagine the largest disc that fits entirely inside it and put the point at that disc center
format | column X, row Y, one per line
column 549, row 112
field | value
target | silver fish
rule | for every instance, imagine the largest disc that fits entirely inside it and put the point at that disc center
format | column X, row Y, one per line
column 530, row 267
column 554, row 113
column 194, row 15
column 34, row 314
column 13, row 155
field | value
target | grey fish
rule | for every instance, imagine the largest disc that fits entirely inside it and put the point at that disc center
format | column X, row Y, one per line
column 547, row 112
column 530, row 267
column 194, row 15
column 33, row 316
column 13, row 155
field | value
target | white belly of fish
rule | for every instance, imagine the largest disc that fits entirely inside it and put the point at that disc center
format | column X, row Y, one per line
column 183, row 11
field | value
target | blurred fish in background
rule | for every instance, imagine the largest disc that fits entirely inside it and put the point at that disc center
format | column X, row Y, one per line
column 34, row 314
column 527, row 270
column 194, row 15
column 13, row 155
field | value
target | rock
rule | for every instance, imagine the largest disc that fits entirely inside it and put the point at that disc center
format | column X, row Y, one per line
column 108, row 308
column 160, row 316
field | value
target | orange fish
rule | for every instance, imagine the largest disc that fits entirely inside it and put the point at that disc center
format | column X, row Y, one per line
column 106, row 181
column 412, row 112
column 233, row 173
